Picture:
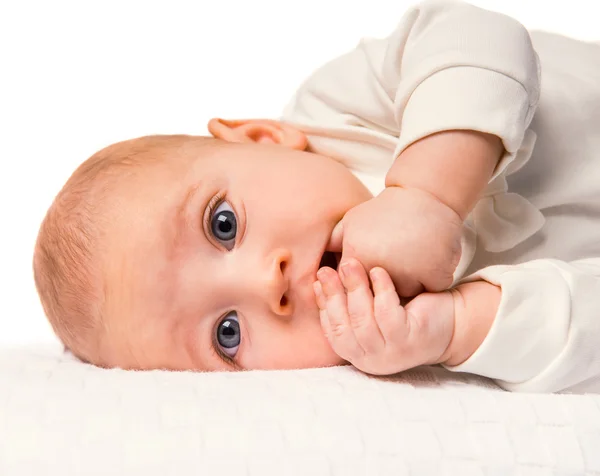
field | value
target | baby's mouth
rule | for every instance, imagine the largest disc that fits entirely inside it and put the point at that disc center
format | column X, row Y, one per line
column 330, row 259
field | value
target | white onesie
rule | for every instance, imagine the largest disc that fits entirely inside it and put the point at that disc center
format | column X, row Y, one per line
column 536, row 231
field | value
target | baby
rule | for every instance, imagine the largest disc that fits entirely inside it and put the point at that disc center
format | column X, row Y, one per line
column 428, row 198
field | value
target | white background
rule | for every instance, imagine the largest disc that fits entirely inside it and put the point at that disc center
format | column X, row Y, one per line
column 77, row 76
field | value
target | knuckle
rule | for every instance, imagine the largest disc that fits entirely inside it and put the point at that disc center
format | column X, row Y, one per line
column 439, row 275
column 337, row 329
column 360, row 325
column 357, row 319
column 387, row 293
column 437, row 285
column 440, row 280
column 386, row 312
column 350, row 219
column 355, row 286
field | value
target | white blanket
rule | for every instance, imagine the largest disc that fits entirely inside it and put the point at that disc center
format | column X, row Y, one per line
column 61, row 417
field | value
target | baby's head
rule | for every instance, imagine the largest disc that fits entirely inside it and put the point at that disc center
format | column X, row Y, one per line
column 199, row 253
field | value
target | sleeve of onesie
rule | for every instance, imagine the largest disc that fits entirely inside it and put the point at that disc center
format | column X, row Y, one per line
column 546, row 334
column 448, row 65
column 451, row 65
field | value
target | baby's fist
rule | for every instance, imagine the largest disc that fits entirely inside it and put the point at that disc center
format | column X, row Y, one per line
column 410, row 233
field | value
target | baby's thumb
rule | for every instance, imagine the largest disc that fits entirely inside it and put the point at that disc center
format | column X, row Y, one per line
column 337, row 237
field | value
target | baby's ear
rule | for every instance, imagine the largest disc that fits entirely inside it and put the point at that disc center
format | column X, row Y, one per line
column 261, row 131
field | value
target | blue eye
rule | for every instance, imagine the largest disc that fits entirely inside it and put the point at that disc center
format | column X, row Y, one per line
column 223, row 225
column 228, row 334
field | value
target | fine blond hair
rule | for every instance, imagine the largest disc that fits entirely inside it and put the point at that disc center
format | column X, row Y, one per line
column 69, row 251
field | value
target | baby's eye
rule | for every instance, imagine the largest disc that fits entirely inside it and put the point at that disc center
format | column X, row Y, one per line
column 228, row 334
column 223, row 225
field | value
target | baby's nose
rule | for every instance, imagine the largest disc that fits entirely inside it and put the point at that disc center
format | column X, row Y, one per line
column 274, row 285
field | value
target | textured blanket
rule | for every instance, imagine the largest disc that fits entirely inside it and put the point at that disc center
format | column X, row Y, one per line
column 61, row 417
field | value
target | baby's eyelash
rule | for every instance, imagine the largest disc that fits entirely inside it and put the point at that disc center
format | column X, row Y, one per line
column 214, row 348
column 216, row 351
column 212, row 206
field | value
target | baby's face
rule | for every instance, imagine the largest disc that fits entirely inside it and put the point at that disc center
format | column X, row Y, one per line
column 212, row 260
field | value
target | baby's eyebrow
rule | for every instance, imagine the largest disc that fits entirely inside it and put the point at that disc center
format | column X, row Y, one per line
column 188, row 198
column 182, row 222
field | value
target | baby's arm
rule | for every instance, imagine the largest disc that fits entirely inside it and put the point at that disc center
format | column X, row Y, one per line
column 454, row 167
column 545, row 335
column 466, row 83
column 461, row 85
column 532, row 327
column 413, row 228
column 475, row 305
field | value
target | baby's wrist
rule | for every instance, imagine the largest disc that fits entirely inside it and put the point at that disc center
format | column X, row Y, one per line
column 453, row 166
column 426, row 193
column 475, row 308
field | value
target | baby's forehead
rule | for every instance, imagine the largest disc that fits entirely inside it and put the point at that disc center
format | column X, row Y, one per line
column 178, row 165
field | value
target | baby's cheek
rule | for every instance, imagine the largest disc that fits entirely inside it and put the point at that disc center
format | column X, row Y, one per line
column 310, row 348
column 290, row 347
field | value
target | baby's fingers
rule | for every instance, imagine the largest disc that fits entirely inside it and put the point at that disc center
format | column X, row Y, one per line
column 360, row 305
column 389, row 313
column 334, row 315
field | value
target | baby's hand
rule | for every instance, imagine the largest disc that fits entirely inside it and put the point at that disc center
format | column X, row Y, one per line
column 371, row 330
column 410, row 233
